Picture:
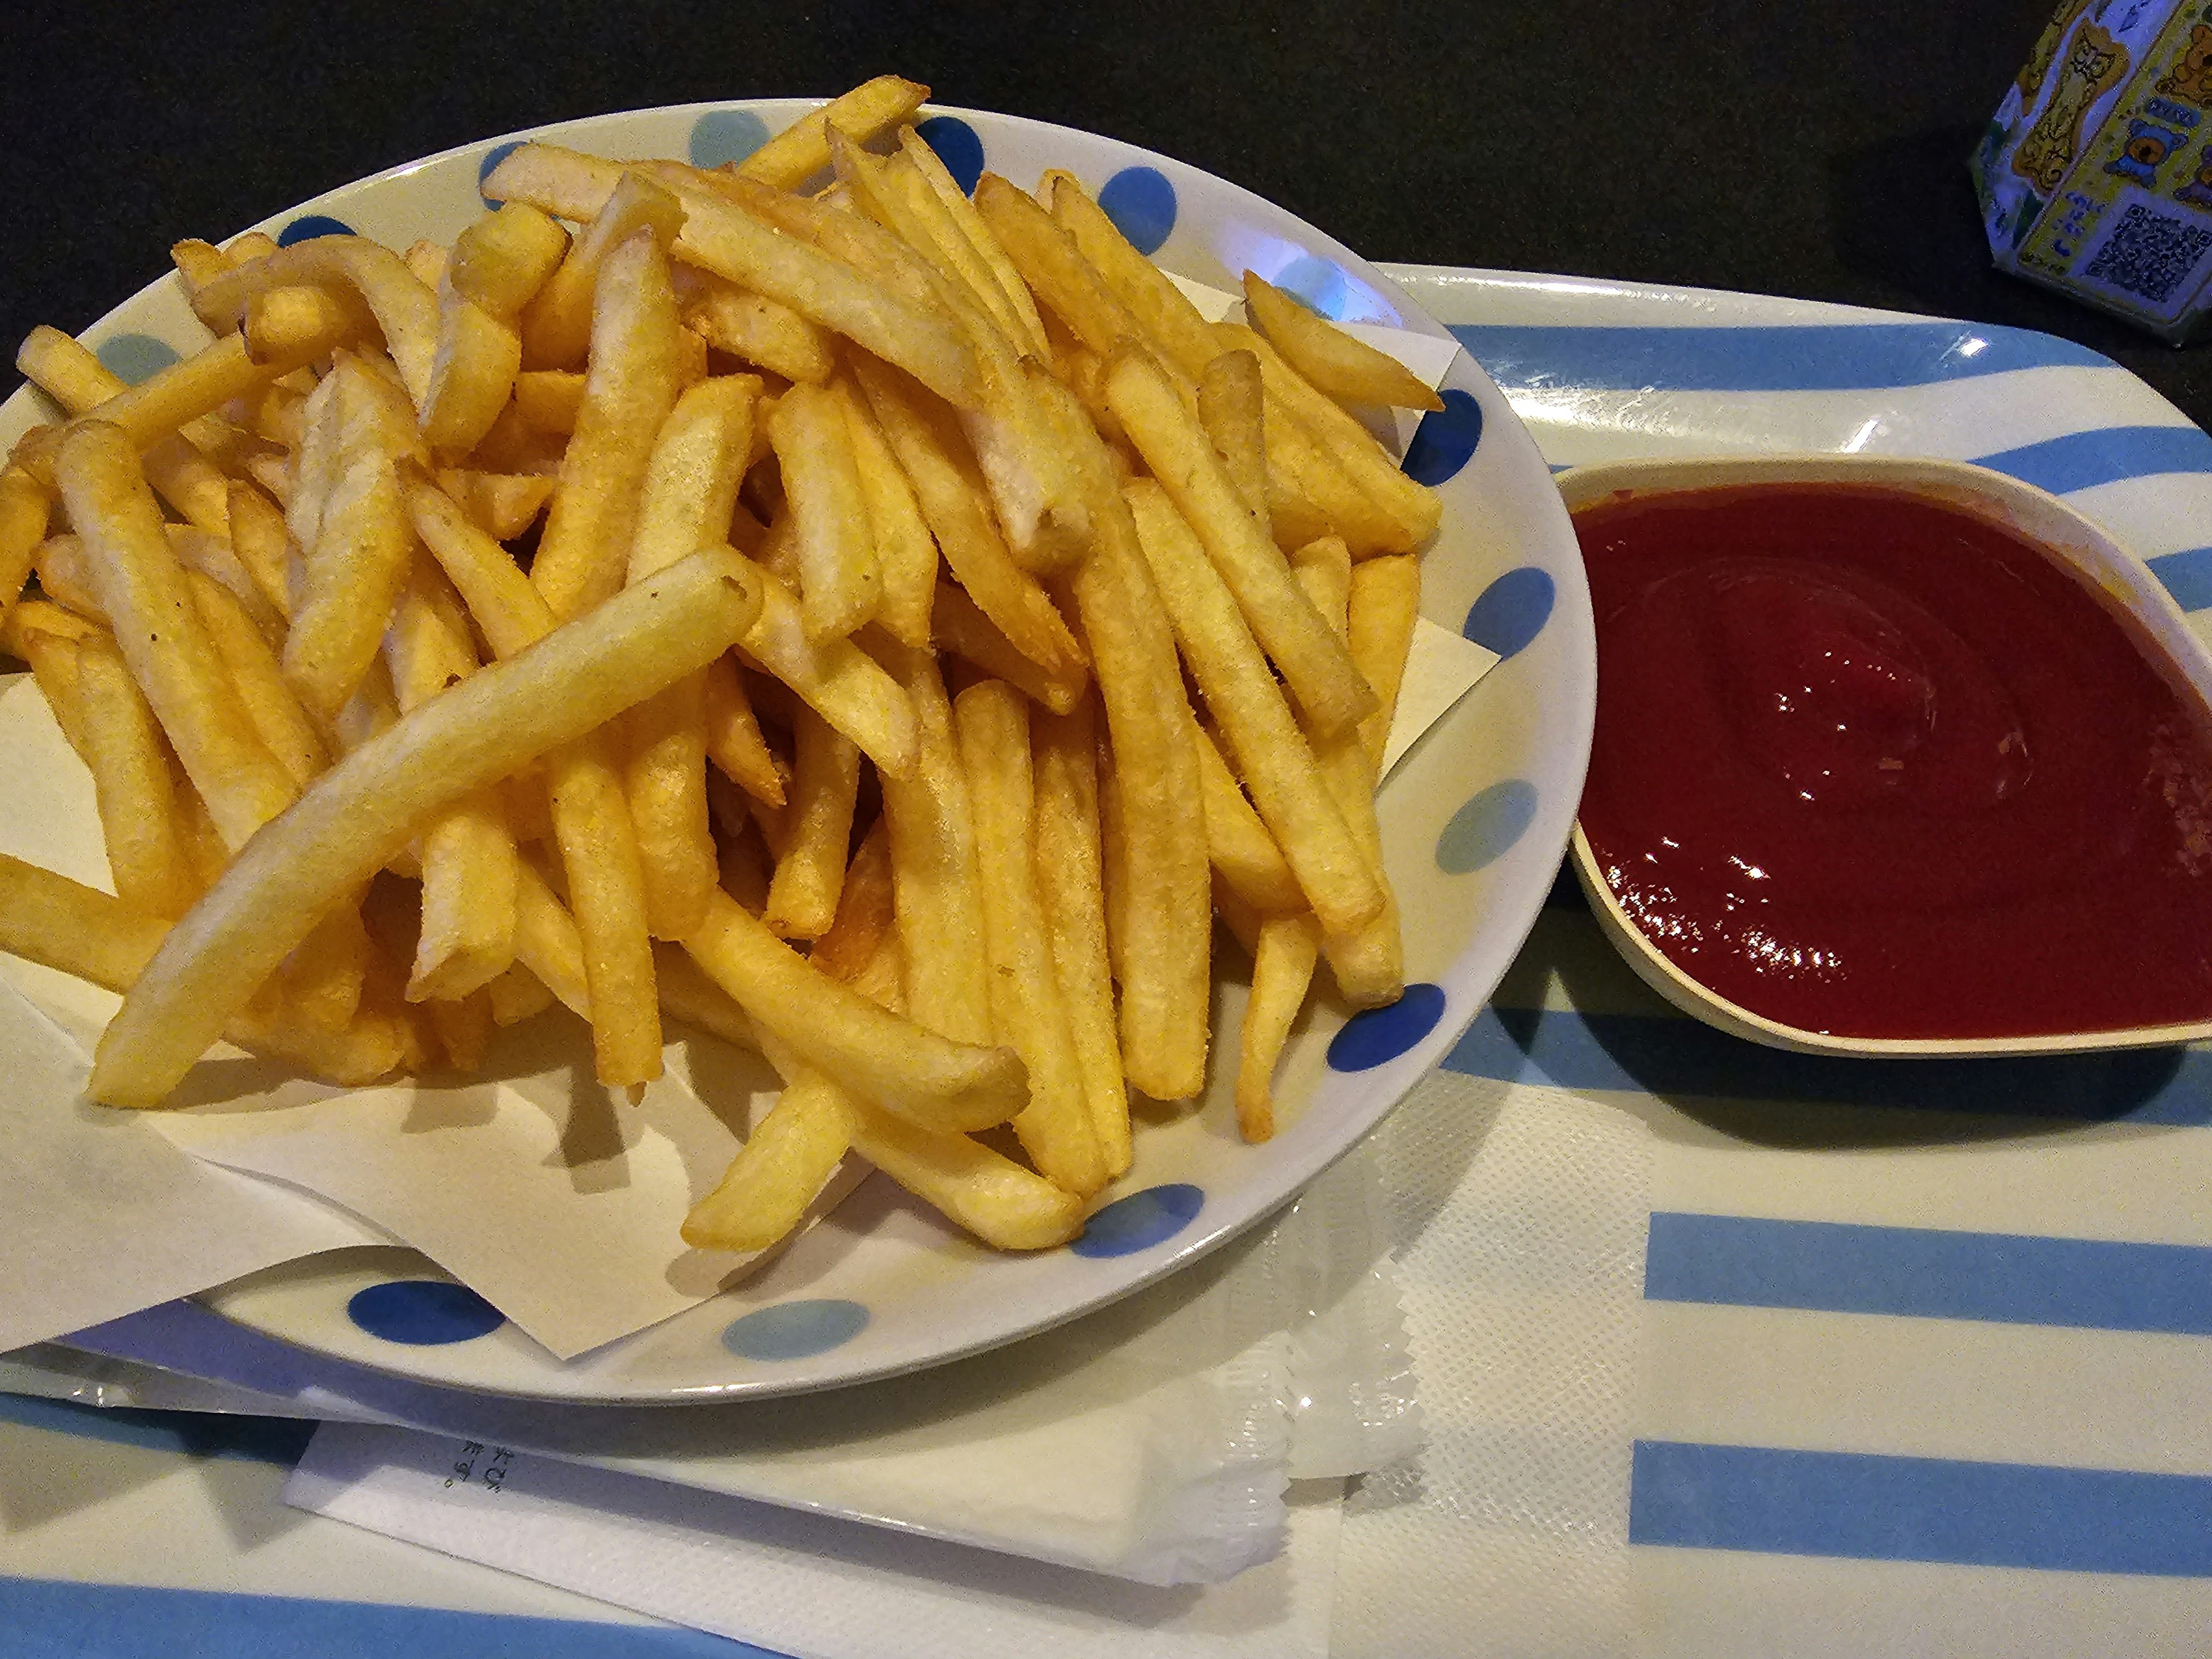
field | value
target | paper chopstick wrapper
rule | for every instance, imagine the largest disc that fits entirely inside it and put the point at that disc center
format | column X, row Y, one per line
column 529, row 1185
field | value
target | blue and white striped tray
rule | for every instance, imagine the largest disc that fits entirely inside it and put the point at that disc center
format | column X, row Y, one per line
column 1928, row 1368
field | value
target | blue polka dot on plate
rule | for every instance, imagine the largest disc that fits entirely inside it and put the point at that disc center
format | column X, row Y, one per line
column 422, row 1312
column 726, row 135
column 1445, row 439
column 1140, row 1220
column 1320, row 284
column 493, row 157
column 1487, row 827
column 1512, row 610
column 308, row 226
column 795, row 1330
column 1141, row 202
column 132, row 357
column 957, row 146
column 1377, row 1035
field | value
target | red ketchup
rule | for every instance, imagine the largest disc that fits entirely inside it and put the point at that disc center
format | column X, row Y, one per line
column 1867, row 765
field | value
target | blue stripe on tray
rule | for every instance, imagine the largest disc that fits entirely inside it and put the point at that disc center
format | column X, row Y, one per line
column 45, row 1619
column 1672, row 1056
column 1919, row 1509
column 2187, row 577
column 194, row 1434
column 2081, row 460
column 2003, row 1278
column 1816, row 357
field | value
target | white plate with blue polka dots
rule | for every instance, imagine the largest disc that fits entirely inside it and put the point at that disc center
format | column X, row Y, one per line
column 1474, row 821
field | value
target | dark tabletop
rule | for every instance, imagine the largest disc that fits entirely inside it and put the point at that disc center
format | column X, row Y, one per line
column 1816, row 151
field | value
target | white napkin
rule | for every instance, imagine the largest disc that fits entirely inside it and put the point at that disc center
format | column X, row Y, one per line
column 1152, row 1440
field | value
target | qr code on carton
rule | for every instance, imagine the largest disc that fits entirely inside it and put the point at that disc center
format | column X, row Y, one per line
column 2150, row 256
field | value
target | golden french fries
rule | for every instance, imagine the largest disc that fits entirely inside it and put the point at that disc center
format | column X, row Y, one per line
column 448, row 695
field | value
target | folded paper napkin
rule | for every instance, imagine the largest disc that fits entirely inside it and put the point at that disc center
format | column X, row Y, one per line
column 1152, row 1440
column 1516, row 1214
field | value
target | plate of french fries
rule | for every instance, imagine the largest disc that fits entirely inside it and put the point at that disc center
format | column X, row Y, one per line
column 838, row 605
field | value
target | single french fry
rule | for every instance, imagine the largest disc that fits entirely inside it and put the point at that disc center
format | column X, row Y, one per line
column 905, row 553
column 1028, row 1012
column 1369, row 963
column 73, row 376
column 933, row 870
column 722, row 238
column 1315, row 663
column 866, row 910
column 565, row 183
column 278, row 320
column 1245, row 855
column 1283, row 950
column 257, row 677
column 810, row 870
column 785, row 1163
column 745, row 859
column 65, row 576
column 954, row 502
column 930, row 1080
column 130, row 769
column 321, row 983
column 404, row 307
column 500, row 262
column 762, row 331
column 557, row 324
column 631, row 389
column 802, row 149
column 516, row 996
column 549, row 399
column 355, row 565
column 145, row 593
column 962, row 629
column 734, row 743
column 606, row 886
column 24, row 508
column 356, row 815
column 1385, row 603
column 1153, row 854
column 547, row 941
column 690, row 488
column 427, row 260
column 837, row 680
column 472, row 376
column 1006, row 1207
column 840, row 586
column 464, row 1029
column 1271, row 753
column 963, row 213
column 468, row 851
column 1231, row 405
column 500, row 504
column 48, row 918
column 1072, row 883
column 1332, row 361
column 205, row 554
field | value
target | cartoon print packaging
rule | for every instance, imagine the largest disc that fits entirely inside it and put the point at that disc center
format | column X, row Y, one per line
column 2095, row 175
